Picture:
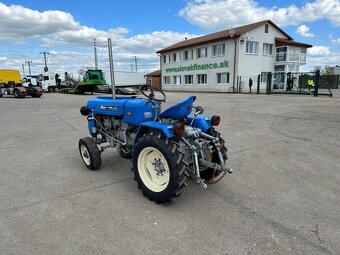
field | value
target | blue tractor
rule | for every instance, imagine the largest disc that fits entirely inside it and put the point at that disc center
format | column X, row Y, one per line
column 166, row 147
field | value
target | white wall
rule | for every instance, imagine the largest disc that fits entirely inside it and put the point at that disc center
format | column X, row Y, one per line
column 247, row 65
column 254, row 64
column 211, row 73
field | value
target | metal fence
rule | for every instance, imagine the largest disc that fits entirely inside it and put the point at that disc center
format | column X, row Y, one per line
column 303, row 83
column 258, row 84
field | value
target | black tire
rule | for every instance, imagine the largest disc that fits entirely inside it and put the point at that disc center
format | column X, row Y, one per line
column 126, row 152
column 1, row 95
column 211, row 175
column 90, row 153
column 50, row 89
column 174, row 169
column 16, row 93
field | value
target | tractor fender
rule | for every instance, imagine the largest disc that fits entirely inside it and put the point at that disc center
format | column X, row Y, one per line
column 201, row 122
column 165, row 128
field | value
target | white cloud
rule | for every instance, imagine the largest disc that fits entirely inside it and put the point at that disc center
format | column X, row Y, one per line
column 320, row 56
column 3, row 58
column 20, row 22
column 318, row 51
column 55, row 29
column 336, row 41
column 220, row 14
column 303, row 30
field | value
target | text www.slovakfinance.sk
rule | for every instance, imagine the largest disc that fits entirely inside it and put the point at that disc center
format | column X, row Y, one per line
column 195, row 67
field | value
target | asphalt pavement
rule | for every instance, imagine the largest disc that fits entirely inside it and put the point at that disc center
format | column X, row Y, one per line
column 283, row 197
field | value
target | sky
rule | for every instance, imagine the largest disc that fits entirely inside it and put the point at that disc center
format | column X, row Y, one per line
column 66, row 29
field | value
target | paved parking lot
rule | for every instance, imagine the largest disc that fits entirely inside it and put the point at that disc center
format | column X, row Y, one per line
column 283, row 198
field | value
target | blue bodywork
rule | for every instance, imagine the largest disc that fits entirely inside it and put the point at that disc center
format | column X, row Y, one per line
column 142, row 113
column 179, row 110
column 201, row 122
column 133, row 110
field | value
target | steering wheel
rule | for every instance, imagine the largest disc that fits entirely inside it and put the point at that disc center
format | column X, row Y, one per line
column 151, row 96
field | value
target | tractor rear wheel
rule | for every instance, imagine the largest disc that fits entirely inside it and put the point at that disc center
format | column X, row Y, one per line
column 211, row 175
column 158, row 168
column 90, row 153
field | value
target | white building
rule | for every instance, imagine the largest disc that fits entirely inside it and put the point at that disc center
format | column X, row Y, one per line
column 213, row 62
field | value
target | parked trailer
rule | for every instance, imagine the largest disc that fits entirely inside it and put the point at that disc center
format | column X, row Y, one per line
column 125, row 82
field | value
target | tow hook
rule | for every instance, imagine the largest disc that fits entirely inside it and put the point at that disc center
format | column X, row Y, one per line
column 204, row 186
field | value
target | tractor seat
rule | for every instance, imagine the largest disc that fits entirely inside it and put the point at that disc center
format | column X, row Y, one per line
column 179, row 110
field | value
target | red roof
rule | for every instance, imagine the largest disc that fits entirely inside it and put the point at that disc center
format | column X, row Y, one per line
column 222, row 35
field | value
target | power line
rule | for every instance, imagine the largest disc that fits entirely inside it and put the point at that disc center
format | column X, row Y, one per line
column 23, row 69
column 135, row 58
column 29, row 62
column 45, row 60
column 95, row 54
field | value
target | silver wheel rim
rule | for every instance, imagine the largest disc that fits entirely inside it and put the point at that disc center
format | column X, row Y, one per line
column 85, row 155
column 153, row 169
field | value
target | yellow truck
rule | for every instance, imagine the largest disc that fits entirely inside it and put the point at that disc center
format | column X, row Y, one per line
column 11, row 84
column 10, row 76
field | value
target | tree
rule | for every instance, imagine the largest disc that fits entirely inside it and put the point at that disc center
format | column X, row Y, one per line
column 326, row 69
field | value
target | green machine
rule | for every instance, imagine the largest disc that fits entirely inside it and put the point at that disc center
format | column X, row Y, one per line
column 91, row 79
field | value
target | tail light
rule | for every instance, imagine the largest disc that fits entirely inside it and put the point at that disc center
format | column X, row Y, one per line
column 215, row 120
column 179, row 129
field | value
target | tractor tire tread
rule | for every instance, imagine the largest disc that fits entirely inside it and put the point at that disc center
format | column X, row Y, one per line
column 94, row 152
column 178, row 177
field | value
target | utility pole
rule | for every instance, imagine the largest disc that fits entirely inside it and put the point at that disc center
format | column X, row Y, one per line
column 135, row 58
column 45, row 60
column 95, row 54
column 23, row 69
column 131, row 68
column 29, row 66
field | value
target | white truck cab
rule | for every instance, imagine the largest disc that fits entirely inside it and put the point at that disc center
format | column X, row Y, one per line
column 26, row 81
column 47, row 81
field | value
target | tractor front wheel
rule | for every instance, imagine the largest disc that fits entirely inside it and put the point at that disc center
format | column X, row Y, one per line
column 90, row 153
column 158, row 168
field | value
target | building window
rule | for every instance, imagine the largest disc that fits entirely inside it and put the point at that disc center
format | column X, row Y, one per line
column 218, row 49
column 177, row 57
column 267, row 49
column 251, row 47
column 188, row 79
column 266, row 29
column 264, row 76
column 281, row 53
column 202, row 52
column 201, row 79
column 166, row 58
column 222, row 78
column 177, row 80
column 188, row 54
column 167, row 80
